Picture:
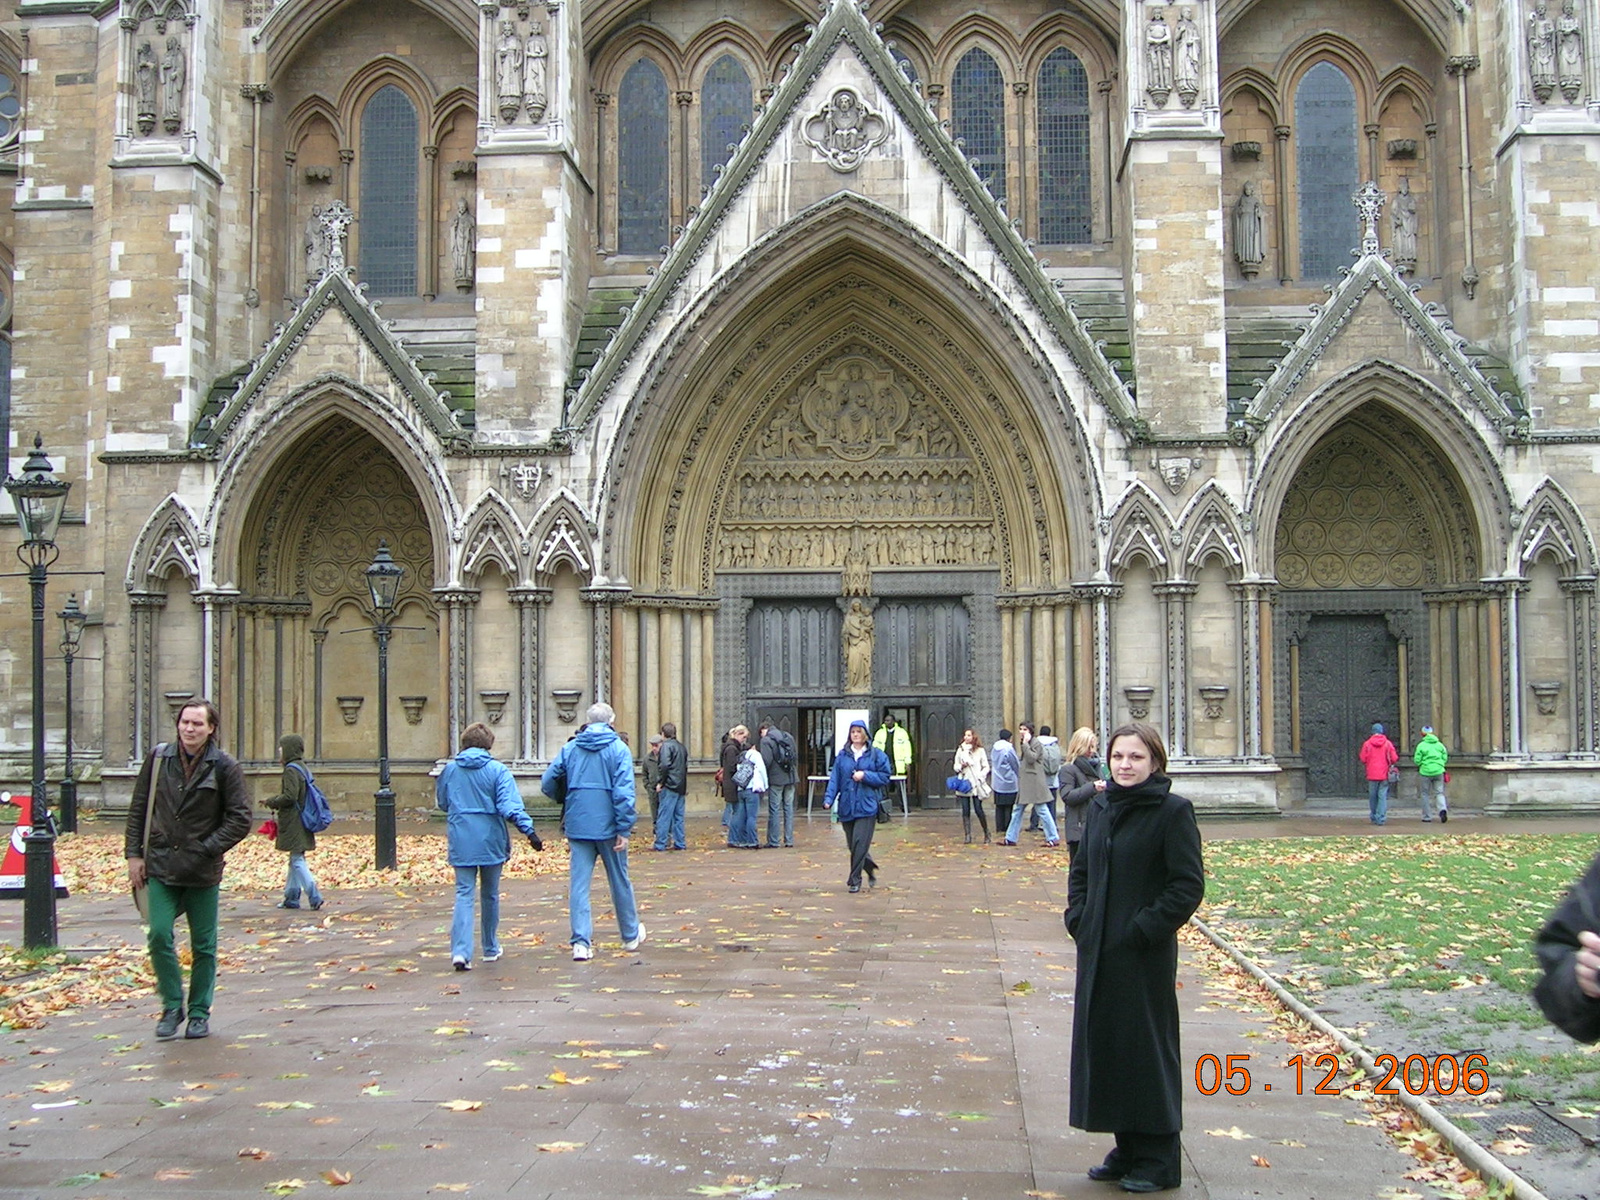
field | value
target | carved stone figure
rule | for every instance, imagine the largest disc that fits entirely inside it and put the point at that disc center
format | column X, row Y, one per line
column 1186, row 65
column 857, row 635
column 464, row 245
column 535, row 73
column 1158, row 59
column 1569, row 53
column 316, row 247
column 174, row 70
column 1403, row 224
column 146, row 73
column 508, row 71
column 1541, row 53
column 1249, row 230
column 844, row 130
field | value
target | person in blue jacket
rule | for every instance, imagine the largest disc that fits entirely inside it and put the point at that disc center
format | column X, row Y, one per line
column 593, row 776
column 860, row 773
column 479, row 795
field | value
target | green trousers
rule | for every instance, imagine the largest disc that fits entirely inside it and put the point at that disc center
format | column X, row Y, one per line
column 199, row 904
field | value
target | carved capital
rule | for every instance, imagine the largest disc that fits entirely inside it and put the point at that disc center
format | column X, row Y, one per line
column 684, row 99
column 1281, row 132
column 1460, row 64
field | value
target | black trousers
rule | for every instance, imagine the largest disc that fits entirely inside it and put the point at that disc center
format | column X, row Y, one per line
column 1157, row 1157
column 1004, row 802
column 858, row 837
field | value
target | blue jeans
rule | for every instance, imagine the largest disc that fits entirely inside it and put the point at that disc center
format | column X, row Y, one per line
column 780, row 815
column 581, row 872
column 300, row 880
column 669, row 820
column 1430, row 790
column 1046, row 818
column 742, row 821
column 467, row 880
column 1378, row 800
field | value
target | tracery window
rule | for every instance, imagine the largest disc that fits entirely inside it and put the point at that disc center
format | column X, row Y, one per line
column 725, row 110
column 1327, row 164
column 1065, row 210
column 978, row 116
column 10, row 113
column 389, row 157
column 642, row 186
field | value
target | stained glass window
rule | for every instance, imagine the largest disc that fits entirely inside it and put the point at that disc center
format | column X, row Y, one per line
column 978, row 117
column 642, row 160
column 10, row 109
column 725, row 109
column 1065, row 214
column 1328, row 166
column 388, row 214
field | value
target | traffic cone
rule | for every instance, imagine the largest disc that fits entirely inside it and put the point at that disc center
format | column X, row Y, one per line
column 14, row 870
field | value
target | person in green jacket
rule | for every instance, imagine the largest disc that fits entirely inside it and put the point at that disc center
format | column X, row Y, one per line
column 294, row 839
column 1431, row 758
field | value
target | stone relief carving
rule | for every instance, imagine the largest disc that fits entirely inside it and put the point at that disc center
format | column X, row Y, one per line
column 855, row 408
column 325, row 234
column 856, row 634
column 1249, row 230
column 1569, row 53
column 524, row 477
column 157, row 63
column 1541, row 52
column 844, row 130
column 1158, row 59
column 464, row 245
column 535, row 72
column 174, row 74
column 146, row 75
column 1403, row 226
column 1186, row 58
column 521, row 69
column 508, row 71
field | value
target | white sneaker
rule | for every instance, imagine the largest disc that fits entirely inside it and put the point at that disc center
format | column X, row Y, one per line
column 581, row 952
column 633, row 942
column 461, row 964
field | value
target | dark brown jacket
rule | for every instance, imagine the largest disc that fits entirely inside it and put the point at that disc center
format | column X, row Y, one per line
column 293, row 836
column 194, row 823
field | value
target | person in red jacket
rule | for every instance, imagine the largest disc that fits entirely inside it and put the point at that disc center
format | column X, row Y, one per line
column 1379, row 757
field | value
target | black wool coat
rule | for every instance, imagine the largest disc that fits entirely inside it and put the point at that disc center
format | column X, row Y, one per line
column 1558, row 994
column 1137, row 877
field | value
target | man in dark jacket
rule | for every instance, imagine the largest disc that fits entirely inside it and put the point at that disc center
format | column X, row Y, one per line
column 294, row 839
column 597, row 816
column 1569, row 952
column 777, row 751
column 672, row 788
column 189, row 809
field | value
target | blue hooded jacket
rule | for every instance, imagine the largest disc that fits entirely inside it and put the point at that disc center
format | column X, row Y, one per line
column 857, row 799
column 600, row 792
column 479, row 795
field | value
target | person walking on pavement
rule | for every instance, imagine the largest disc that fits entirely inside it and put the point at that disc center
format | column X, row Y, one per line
column 1379, row 757
column 860, row 773
column 189, row 808
column 972, row 765
column 778, row 753
column 1137, row 878
column 294, row 839
column 672, row 788
column 597, row 815
column 479, row 795
column 1431, row 758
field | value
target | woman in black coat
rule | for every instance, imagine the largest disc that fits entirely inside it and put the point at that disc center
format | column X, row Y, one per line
column 1137, row 877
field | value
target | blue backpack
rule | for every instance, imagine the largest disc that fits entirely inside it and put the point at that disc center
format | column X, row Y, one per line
column 315, row 814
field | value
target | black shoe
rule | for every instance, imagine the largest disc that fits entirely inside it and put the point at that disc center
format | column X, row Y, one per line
column 167, row 1026
column 1444, row 815
column 1103, row 1173
column 199, row 1027
column 317, row 906
column 855, row 887
column 1134, row 1183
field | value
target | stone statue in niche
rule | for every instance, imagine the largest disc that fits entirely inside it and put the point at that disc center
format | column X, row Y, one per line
column 856, row 632
column 1569, row 53
column 1249, row 230
column 1158, row 59
column 174, row 71
column 1186, row 64
column 464, row 245
column 316, row 247
column 844, row 130
column 508, row 71
column 1541, row 53
column 1403, row 226
column 146, row 75
column 535, row 73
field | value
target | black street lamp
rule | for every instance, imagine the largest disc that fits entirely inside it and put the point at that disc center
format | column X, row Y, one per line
column 73, row 620
column 383, row 578
column 40, row 499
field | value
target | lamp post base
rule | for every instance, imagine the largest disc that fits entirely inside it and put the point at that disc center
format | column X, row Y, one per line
column 39, row 890
column 384, row 856
column 69, row 805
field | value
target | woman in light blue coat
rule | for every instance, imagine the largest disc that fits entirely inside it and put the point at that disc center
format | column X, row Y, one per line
column 479, row 796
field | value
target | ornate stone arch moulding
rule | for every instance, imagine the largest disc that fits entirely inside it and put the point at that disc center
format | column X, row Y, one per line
column 491, row 533
column 170, row 536
column 1139, row 528
column 1212, row 526
column 1553, row 526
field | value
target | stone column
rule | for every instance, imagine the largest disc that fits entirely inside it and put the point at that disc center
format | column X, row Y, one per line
column 457, row 605
column 1255, row 665
column 1099, row 597
column 1175, row 597
column 146, row 705
column 604, row 600
column 530, row 604
column 1580, row 593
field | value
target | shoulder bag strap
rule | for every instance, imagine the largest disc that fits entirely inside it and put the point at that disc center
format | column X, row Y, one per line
column 150, row 799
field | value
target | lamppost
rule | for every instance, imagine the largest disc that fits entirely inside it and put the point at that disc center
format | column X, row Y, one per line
column 40, row 499
column 383, row 579
column 73, row 620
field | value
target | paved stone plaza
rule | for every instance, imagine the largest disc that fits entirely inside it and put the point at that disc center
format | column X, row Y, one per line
column 911, row 1041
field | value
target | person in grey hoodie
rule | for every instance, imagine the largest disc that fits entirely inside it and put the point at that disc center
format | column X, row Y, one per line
column 294, row 839
column 593, row 774
column 479, row 795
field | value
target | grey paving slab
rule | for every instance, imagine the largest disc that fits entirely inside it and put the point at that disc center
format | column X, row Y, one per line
column 914, row 1040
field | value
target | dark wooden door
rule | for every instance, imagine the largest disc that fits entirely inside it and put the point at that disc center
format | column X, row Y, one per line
column 1349, row 678
column 943, row 722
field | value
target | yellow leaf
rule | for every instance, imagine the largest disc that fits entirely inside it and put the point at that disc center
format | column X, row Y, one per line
column 1259, row 1160
column 819, row 1115
column 461, row 1105
column 1233, row 1132
column 335, row 1177
column 54, row 1085
column 449, row 1187
column 450, row 1030
column 170, row 1174
column 899, row 1023
column 561, row 1147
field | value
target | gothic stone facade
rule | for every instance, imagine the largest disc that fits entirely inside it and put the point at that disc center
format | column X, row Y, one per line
column 1055, row 344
